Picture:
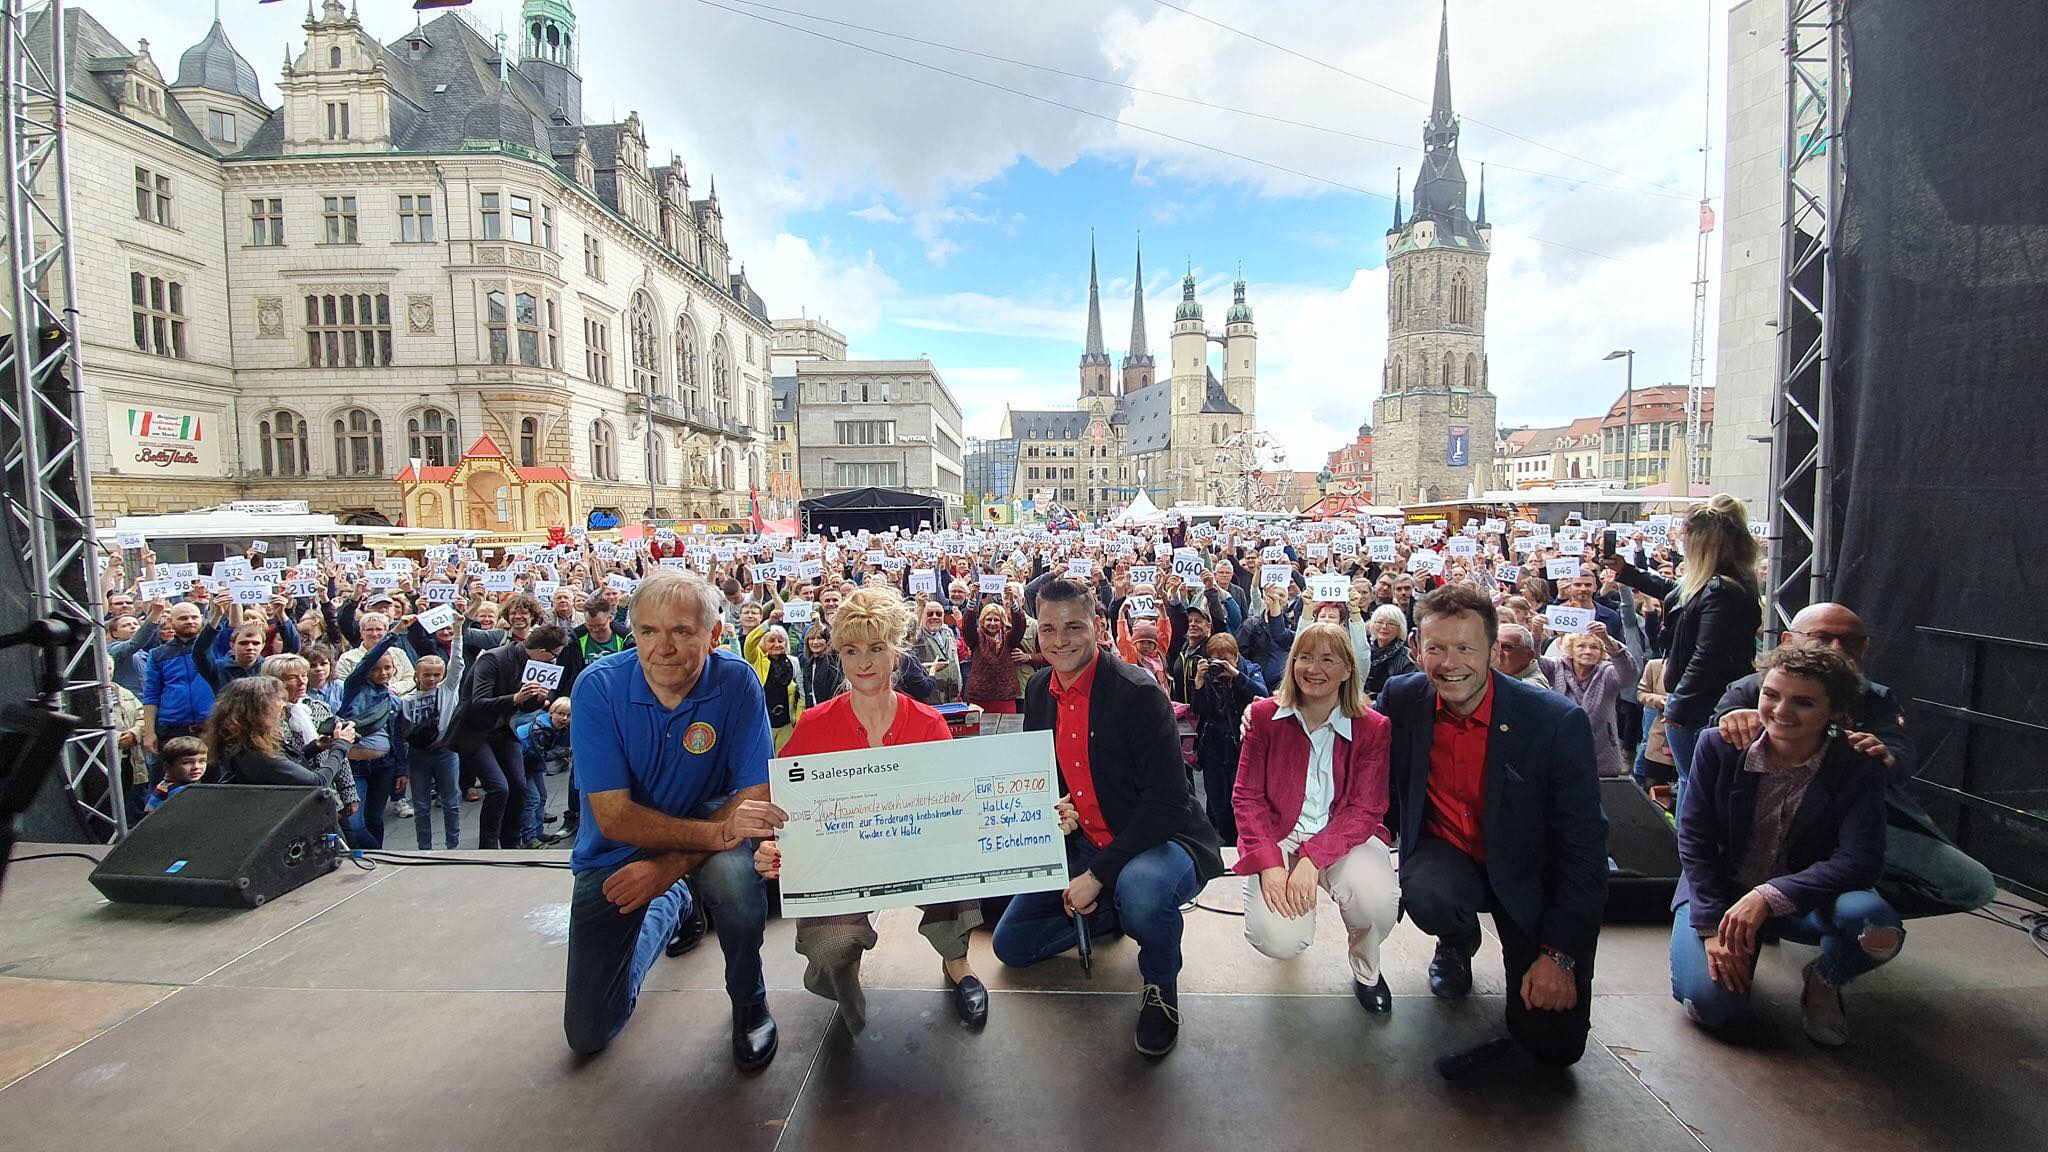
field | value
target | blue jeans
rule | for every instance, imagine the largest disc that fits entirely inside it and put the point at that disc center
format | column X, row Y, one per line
column 610, row 953
column 432, row 771
column 536, row 805
column 1838, row 930
column 1144, row 905
column 374, row 779
column 1683, row 741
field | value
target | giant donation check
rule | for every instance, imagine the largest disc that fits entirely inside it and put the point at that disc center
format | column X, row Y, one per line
column 918, row 824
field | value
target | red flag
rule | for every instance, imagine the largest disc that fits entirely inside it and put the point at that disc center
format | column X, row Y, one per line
column 1706, row 218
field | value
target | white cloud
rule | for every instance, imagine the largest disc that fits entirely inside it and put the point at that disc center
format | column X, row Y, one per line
column 848, row 292
column 877, row 213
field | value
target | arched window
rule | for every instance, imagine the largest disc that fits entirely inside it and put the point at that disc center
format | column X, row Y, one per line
column 646, row 346
column 604, row 461
column 686, row 360
column 1471, row 371
column 657, row 463
column 282, row 437
column 529, row 441
column 430, row 437
column 334, row 57
column 358, row 443
column 1397, row 374
column 721, row 378
column 1461, row 300
column 1444, row 374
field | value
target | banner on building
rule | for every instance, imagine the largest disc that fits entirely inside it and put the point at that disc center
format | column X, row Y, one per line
column 162, row 441
column 1459, row 454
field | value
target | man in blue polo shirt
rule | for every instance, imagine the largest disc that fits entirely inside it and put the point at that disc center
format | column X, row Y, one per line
column 672, row 747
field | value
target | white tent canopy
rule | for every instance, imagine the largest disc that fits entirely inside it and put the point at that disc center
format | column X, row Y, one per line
column 273, row 520
column 1141, row 511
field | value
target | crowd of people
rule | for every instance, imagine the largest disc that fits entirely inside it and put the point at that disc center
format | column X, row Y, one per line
column 1410, row 719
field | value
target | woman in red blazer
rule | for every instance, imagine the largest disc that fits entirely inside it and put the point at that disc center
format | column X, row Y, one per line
column 1311, row 804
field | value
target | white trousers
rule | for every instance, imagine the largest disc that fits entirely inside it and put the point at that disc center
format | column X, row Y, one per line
column 1363, row 884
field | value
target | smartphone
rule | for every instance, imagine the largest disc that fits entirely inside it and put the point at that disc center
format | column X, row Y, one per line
column 1607, row 544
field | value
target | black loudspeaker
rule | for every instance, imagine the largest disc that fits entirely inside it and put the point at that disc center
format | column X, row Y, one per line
column 1642, row 853
column 225, row 846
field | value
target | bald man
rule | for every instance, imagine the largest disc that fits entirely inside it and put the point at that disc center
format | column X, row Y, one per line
column 1924, row 874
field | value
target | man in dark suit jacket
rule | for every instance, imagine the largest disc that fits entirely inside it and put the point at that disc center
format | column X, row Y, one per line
column 1137, row 846
column 1497, row 804
column 492, row 691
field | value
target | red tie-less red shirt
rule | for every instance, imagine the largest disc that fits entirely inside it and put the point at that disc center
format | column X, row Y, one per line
column 1457, row 777
column 1070, row 749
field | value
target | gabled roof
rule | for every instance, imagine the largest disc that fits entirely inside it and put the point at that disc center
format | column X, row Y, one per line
column 1217, row 401
column 1056, row 424
column 96, row 60
column 484, row 451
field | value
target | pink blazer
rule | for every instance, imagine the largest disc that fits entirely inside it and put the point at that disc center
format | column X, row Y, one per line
column 1272, row 775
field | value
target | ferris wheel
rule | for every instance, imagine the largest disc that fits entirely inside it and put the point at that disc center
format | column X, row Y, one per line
column 1251, row 472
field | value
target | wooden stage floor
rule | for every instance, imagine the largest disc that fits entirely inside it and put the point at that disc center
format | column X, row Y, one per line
column 420, row 1008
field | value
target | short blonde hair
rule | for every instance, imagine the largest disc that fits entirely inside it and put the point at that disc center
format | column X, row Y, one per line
column 1351, row 694
column 870, row 613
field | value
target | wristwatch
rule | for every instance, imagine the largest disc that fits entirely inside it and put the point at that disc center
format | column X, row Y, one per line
column 1560, row 959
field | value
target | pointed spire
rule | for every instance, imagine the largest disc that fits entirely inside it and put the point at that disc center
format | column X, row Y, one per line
column 1482, row 195
column 1139, row 352
column 1397, row 201
column 1094, row 348
column 1440, row 100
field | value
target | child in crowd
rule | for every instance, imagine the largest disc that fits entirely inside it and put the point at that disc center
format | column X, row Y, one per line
column 431, row 765
column 545, row 740
column 184, row 762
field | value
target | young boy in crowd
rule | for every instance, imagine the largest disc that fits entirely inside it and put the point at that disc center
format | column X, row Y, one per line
column 545, row 739
column 184, row 762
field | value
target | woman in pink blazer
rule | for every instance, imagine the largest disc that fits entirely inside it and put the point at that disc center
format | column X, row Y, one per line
column 1311, row 804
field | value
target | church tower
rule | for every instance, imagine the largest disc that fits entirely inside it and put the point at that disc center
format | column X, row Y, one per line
column 1240, row 354
column 1138, row 365
column 1094, row 361
column 1433, row 433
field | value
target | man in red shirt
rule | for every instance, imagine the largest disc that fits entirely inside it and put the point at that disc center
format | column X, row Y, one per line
column 1137, row 845
column 1498, row 801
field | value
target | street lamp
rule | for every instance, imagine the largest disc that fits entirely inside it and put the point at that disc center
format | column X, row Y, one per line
column 1628, row 419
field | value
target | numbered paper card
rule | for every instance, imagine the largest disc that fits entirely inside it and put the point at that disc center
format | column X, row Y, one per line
column 993, row 583
column 1569, row 619
column 250, row 592
column 924, row 580
column 1382, row 549
column 1330, row 589
column 1145, row 574
column 1081, row 566
column 1509, row 575
column 129, row 541
column 1188, row 565
column 1562, row 568
column 438, row 617
column 1143, row 605
column 302, row 589
column 798, row 612
column 499, row 581
column 1462, row 546
column 1276, row 575
column 547, row 675
column 1426, row 561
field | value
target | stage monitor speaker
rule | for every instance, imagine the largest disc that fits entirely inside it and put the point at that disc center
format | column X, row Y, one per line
column 1642, row 853
column 225, row 846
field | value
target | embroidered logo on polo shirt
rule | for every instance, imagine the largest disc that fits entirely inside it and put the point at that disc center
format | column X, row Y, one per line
column 699, row 738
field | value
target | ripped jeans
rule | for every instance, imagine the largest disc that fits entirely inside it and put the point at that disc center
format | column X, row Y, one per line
column 1840, row 930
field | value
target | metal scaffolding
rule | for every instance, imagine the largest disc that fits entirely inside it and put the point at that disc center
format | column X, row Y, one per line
column 47, row 487
column 1802, row 449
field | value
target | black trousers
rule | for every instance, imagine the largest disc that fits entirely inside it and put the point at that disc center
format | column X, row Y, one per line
column 1444, row 891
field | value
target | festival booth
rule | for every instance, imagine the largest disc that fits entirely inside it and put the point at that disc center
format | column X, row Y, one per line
column 875, row 509
column 1545, row 505
column 209, row 534
column 1141, row 513
column 485, row 492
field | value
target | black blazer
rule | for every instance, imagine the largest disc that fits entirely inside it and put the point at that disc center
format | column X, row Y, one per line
column 492, row 682
column 1546, row 836
column 1835, row 843
column 1134, row 755
column 1710, row 642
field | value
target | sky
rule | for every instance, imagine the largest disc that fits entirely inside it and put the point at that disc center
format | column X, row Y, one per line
column 925, row 175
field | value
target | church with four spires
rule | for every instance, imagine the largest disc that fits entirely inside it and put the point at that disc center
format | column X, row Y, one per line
column 1135, row 429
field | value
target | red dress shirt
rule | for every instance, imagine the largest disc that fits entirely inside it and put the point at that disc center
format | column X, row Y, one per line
column 1070, row 750
column 833, row 727
column 1457, row 777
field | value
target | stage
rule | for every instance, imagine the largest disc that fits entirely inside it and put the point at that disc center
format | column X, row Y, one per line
column 420, row 1008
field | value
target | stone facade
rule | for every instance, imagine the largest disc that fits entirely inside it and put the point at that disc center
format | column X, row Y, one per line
column 424, row 245
column 1138, row 431
column 1433, row 426
column 879, row 424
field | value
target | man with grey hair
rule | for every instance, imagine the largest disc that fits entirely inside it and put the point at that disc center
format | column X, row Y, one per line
column 1514, row 654
column 672, row 747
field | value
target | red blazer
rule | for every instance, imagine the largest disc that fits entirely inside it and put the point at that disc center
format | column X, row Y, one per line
column 1272, row 775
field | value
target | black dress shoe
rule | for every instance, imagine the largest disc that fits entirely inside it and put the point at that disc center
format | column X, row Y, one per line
column 1377, row 997
column 1450, row 972
column 1459, row 1065
column 753, row 1036
column 689, row 930
column 970, row 1000
column 1158, row 1021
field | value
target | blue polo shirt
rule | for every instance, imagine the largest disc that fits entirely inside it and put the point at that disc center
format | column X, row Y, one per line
column 675, row 761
